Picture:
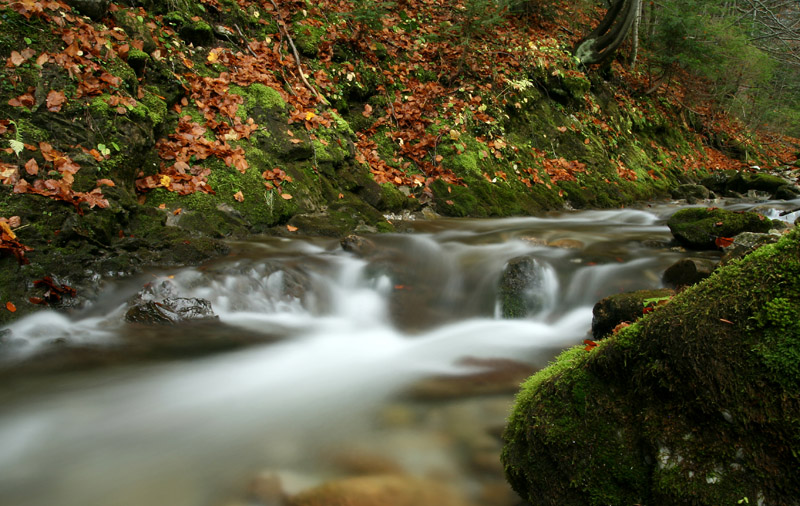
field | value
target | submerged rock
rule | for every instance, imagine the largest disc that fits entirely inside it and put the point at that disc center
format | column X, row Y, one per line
column 386, row 490
column 697, row 403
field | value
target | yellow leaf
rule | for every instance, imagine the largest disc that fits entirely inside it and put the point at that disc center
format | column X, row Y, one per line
column 310, row 115
column 212, row 57
column 7, row 230
column 165, row 181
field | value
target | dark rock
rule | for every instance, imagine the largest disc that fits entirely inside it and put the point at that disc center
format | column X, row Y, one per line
column 521, row 287
column 170, row 310
column 360, row 246
column 95, row 9
column 698, row 228
column 691, row 192
column 688, row 271
column 786, row 192
column 620, row 308
column 198, row 33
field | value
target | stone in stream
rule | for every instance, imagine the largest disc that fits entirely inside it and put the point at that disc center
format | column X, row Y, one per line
column 745, row 243
column 688, row 271
column 691, row 193
column 699, row 227
column 623, row 307
column 384, row 490
column 170, row 310
column 520, row 289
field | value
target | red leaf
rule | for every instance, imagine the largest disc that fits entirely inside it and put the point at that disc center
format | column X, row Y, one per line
column 11, row 307
column 723, row 242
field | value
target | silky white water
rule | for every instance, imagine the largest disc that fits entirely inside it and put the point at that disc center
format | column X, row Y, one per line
column 347, row 334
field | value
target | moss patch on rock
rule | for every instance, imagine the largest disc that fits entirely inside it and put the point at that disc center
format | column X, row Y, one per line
column 699, row 228
column 697, row 403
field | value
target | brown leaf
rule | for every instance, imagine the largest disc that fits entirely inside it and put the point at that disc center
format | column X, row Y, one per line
column 286, row 196
column 15, row 59
column 291, row 228
column 106, row 182
column 32, row 167
column 561, row 129
column 54, row 100
column 367, row 111
column 239, row 196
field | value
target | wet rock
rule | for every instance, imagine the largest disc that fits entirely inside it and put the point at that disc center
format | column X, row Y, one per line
column 498, row 376
column 746, row 243
column 688, row 271
column 170, row 310
column 386, row 490
column 521, row 287
column 734, row 184
column 623, row 307
column 699, row 228
column 691, row 192
column 94, row 9
column 358, row 245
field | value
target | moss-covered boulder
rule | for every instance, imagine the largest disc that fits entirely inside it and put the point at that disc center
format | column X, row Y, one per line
column 699, row 228
column 688, row 271
column 522, row 288
column 698, row 403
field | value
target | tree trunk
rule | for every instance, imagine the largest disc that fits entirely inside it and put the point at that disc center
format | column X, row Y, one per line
column 599, row 46
column 635, row 36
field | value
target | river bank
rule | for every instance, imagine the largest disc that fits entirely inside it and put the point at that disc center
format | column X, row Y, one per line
column 147, row 135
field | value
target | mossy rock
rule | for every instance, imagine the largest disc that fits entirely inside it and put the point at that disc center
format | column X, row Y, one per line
column 698, row 227
column 698, row 403
column 521, row 288
column 624, row 307
column 198, row 33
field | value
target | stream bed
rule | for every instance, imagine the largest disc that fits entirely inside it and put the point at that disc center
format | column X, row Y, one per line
column 388, row 357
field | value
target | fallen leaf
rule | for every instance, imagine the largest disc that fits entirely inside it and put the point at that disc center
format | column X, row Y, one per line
column 54, row 100
column 239, row 196
column 561, row 129
column 11, row 307
column 106, row 182
column 723, row 242
column 367, row 111
column 15, row 59
column 162, row 206
column 177, row 211
column 723, row 320
column 32, row 167
column 286, row 196
column 291, row 228
column 586, row 141
column 341, row 195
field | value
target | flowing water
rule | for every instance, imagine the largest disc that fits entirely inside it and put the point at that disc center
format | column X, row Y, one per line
column 338, row 341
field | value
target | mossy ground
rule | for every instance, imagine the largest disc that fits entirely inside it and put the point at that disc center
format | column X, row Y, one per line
column 697, row 403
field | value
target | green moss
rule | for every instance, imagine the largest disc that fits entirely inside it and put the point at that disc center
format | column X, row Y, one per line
column 697, row 403
column 260, row 96
column 700, row 227
column 156, row 108
column 308, row 38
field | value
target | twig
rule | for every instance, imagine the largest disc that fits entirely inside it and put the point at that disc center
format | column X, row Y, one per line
column 245, row 40
column 282, row 27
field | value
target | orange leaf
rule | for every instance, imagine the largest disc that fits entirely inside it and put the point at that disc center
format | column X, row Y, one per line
column 367, row 111
column 341, row 195
column 286, row 196
column 723, row 242
column 561, row 129
column 11, row 307
column 162, row 206
column 177, row 211
column 291, row 228
column 106, row 182
column 586, row 141
column 239, row 196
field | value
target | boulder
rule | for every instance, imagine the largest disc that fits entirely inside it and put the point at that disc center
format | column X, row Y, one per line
column 623, row 307
column 521, row 287
column 699, row 227
column 691, row 192
column 696, row 403
column 688, row 271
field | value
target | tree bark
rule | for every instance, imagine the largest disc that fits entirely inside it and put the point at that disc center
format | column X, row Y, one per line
column 599, row 46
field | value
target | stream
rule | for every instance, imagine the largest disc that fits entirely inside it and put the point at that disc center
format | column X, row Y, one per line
column 394, row 360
